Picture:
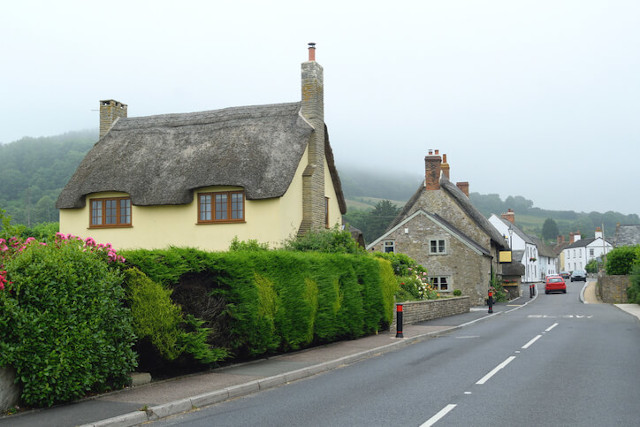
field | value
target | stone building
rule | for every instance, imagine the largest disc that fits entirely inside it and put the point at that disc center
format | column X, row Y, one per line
column 445, row 233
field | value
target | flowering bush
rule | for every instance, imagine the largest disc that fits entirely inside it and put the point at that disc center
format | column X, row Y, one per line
column 65, row 329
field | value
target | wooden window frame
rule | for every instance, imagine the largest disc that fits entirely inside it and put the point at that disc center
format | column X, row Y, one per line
column 120, row 222
column 229, row 210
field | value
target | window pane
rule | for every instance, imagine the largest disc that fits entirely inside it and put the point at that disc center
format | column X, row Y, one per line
column 433, row 246
column 96, row 212
column 205, row 207
column 125, row 211
column 443, row 284
column 111, row 211
column 236, row 206
column 221, row 206
column 441, row 246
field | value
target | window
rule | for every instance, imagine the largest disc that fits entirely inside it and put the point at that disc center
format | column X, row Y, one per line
column 326, row 212
column 225, row 206
column 389, row 246
column 440, row 283
column 591, row 252
column 437, row 246
column 113, row 212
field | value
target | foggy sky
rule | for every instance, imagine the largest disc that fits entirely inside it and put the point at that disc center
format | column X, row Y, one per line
column 532, row 98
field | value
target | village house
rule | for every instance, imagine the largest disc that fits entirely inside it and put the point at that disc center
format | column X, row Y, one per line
column 445, row 233
column 581, row 251
column 202, row 179
column 523, row 247
column 627, row 235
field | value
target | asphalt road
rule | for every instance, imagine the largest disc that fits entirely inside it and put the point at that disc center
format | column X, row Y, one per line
column 553, row 362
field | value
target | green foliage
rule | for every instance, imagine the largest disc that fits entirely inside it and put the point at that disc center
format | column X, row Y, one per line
column 35, row 171
column 373, row 222
column 248, row 245
column 457, row 292
column 277, row 300
column 158, row 319
column 550, row 229
column 592, row 266
column 620, row 260
column 331, row 241
column 633, row 291
column 64, row 327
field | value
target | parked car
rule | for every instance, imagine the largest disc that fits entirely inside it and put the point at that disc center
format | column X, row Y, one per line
column 555, row 284
column 565, row 275
column 579, row 275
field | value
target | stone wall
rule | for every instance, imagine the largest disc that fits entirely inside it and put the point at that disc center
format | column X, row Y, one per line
column 613, row 289
column 419, row 311
column 9, row 392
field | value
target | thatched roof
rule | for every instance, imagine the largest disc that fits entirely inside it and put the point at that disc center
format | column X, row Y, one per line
column 160, row 160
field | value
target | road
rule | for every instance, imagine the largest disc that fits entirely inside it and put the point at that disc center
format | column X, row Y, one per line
column 552, row 362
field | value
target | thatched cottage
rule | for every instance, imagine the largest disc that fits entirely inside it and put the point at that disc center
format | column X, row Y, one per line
column 441, row 229
column 200, row 179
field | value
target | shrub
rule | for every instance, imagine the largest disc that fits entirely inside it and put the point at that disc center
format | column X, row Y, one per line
column 592, row 266
column 64, row 327
column 620, row 260
column 158, row 319
column 633, row 291
column 249, row 245
column 332, row 241
column 457, row 292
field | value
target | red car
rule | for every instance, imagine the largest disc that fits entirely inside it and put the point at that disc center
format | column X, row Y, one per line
column 555, row 284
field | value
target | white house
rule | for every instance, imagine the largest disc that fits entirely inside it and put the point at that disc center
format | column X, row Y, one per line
column 522, row 245
column 578, row 254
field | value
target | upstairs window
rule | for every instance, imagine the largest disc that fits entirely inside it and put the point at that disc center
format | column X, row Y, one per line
column 389, row 246
column 111, row 212
column 221, row 207
column 437, row 246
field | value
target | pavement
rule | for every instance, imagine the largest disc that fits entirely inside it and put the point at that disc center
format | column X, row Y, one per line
column 156, row 400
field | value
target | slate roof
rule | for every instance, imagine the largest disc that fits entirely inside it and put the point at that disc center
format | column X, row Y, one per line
column 160, row 160
column 627, row 235
column 463, row 201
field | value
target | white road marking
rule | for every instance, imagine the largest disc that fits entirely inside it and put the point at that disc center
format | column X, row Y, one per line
column 495, row 370
column 551, row 327
column 527, row 345
column 437, row 417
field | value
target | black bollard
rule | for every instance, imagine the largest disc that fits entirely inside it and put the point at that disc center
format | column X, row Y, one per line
column 399, row 321
column 530, row 291
column 490, row 301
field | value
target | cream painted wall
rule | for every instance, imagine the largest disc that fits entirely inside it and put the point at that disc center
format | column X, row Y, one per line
column 157, row 227
column 335, row 217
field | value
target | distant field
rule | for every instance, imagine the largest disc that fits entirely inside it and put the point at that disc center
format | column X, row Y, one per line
column 533, row 224
column 366, row 203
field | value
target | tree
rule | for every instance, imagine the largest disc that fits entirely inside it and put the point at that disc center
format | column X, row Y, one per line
column 549, row 229
column 374, row 222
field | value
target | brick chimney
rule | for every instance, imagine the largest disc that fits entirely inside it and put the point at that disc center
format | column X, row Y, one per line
column 110, row 111
column 509, row 216
column 312, row 109
column 432, row 169
column 445, row 166
column 560, row 239
column 464, row 187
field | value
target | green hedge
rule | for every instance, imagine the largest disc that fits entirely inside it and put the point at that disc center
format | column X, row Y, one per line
column 620, row 260
column 63, row 324
column 275, row 300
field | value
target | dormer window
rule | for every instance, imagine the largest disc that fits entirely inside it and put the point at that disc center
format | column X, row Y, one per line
column 110, row 212
column 221, row 207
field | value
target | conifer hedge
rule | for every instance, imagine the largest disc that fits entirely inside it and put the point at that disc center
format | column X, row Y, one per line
column 275, row 300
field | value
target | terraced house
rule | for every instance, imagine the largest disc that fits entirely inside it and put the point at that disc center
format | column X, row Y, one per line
column 200, row 179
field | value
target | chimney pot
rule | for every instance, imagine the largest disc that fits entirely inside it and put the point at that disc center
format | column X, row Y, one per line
column 432, row 169
column 312, row 51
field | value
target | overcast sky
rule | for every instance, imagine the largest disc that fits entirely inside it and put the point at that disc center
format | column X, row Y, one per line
column 535, row 98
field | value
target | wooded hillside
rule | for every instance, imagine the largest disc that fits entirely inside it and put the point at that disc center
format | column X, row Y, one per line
column 34, row 170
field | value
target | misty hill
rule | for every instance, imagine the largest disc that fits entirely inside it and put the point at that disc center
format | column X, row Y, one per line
column 34, row 171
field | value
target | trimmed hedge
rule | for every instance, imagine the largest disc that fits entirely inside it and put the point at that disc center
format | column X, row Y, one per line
column 275, row 300
column 620, row 260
